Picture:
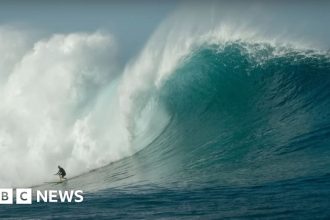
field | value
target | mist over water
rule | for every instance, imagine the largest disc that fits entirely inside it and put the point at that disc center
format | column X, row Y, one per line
column 61, row 105
column 46, row 86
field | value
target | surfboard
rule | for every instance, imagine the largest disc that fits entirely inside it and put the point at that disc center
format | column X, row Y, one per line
column 57, row 182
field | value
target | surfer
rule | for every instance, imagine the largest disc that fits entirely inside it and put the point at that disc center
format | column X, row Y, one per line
column 61, row 173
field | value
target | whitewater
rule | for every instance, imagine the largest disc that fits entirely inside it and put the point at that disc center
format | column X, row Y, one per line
column 220, row 115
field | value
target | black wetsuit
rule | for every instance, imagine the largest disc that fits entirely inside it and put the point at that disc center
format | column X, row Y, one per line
column 61, row 172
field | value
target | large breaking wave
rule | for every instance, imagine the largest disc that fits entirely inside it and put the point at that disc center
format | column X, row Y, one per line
column 205, row 101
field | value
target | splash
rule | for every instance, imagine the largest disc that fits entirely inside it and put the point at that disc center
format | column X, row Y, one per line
column 45, row 88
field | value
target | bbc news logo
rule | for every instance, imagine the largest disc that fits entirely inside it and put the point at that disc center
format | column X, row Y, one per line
column 24, row 196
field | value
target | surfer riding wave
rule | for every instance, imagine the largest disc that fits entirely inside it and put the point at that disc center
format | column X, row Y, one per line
column 61, row 173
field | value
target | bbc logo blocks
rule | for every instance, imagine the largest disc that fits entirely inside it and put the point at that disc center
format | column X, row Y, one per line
column 6, row 196
column 23, row 196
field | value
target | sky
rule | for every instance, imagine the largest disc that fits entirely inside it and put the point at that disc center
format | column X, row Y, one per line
column 133, row 22
column 123, row 19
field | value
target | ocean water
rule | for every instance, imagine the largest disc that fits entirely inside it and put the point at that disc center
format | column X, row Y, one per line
column 211, row 129
column 248, row 138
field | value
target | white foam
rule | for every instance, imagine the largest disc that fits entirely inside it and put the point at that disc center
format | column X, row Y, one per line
column 64, row 104
column 44, row 91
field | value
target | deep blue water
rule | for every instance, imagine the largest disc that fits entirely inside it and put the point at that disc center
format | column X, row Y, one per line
column 301, row 198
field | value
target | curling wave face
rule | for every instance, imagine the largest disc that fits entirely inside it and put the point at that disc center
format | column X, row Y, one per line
column 248, row 113
column 241, row 114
